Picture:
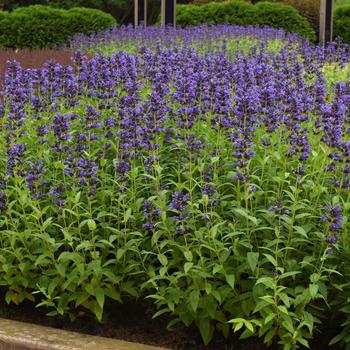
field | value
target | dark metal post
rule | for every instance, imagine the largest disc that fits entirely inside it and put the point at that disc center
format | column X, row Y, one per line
column 326, row 21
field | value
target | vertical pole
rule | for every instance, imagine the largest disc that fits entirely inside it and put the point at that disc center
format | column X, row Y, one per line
column 162, row 12
column 136, row 12
column 140, row 12
column 326, row 22
column 145, row 12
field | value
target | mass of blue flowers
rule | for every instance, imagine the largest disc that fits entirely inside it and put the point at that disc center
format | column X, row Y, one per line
column 204, row 169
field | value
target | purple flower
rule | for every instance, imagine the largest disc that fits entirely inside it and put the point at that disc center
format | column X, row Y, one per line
column 179, row 201
column 333, row 217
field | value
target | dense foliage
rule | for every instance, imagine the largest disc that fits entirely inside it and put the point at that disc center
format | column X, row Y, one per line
column 342, row 23
column 41, row 26
column 121, row 10
column 3, row 14
column 237, row 12
column 206, row 170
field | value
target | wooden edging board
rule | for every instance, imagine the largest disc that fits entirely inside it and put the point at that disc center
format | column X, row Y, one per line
column 16, row 335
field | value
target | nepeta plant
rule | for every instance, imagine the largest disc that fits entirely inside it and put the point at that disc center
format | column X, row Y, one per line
column 206, row 175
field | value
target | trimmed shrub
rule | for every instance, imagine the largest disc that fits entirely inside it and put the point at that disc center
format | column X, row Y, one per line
column 310, row 9
column 342, row 23
column 242, row 13
column 189, row 15
column 87, row 20
column 41, row 26
column 284, row 16
column 3, row 15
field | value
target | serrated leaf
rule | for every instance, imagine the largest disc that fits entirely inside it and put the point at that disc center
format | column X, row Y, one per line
column 91, row 224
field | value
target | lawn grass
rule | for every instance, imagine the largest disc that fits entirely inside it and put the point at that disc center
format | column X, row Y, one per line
column 339, row 3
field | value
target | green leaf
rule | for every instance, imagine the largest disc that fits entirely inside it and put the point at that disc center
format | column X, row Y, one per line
column 161, row 312
column 270, row 335
column 193, row 299
column 100, row 297
column 91, row 225
column 289, row 274
column 266, row 281
column 188, row 255
column 77, row 198
column 188, row 266
column 283, row 309
column 97, row 310
column 238, row 326
column 313, row 288
column 269, row 318
column 230, row 279
column 206, row 330
column 253, row 258
column 285, row 298
column 217, row 268
column 163, row 259
column 271, row 259
column 336, row 339
column 120, row 253
column 244, row 213
column 249, row 326
column 315, row 277
column 288, row 325
column 127, row 215
column 61, row 269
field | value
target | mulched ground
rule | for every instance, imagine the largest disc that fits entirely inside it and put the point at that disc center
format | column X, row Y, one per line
column 133, row 323
column 34, row 58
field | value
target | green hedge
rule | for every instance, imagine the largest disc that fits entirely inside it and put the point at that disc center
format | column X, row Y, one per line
column 3, row 15
column 284, row 16
column 275, row 15
column 342, row 23
column 41, row 26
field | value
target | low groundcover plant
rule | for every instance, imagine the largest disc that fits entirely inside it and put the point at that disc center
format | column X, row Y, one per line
column 211, row 180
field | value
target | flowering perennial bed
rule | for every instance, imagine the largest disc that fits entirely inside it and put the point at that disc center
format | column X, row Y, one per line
column 206, row 175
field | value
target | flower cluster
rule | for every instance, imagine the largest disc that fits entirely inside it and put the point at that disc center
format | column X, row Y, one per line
column 151, row 215
column 179, row 204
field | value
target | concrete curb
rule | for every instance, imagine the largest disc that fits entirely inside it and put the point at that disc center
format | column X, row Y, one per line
column 16, row 335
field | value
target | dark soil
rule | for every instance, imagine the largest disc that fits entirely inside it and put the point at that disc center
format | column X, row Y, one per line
column 134, row 323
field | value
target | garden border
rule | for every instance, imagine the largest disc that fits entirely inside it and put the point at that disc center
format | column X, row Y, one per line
column 15, row 335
